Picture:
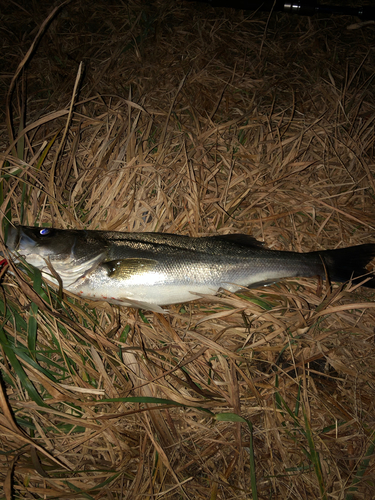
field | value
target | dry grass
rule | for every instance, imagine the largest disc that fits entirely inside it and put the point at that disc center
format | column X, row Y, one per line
column 195, row 121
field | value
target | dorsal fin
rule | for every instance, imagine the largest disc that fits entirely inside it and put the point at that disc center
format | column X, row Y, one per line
column 240, row 239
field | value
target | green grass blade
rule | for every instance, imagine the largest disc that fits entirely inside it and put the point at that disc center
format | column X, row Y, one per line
column 141, row 399
column 233, row 417
column 314, row 457
column 298, row 400
column 361, row 470
column 32, row 326
column 20, row 372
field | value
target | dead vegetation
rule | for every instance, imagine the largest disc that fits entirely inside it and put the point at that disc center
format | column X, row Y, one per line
column 197, row 121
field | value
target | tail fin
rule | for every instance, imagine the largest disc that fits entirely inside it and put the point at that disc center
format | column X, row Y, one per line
column 344, row 264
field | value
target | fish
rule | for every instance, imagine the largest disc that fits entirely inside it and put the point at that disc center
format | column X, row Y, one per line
column 151, row 270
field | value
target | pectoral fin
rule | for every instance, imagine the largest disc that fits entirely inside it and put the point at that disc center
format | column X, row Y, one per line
column 126, row 268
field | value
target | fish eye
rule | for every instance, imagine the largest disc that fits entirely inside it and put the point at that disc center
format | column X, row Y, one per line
column 44, row 232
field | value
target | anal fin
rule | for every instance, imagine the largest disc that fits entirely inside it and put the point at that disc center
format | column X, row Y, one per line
column 137, row 304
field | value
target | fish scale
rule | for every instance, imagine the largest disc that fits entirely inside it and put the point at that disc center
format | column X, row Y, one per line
column 149, row 270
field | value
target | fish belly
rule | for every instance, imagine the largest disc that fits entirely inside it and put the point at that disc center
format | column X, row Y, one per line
column 172, row 283
column 150, row 288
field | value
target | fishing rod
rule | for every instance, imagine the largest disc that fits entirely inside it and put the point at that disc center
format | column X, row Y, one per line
column 302, row 7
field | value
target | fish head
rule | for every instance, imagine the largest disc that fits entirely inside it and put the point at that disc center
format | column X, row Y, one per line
column 71, row 253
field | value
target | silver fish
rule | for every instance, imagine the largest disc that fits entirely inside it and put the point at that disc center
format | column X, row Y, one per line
column 149, row 270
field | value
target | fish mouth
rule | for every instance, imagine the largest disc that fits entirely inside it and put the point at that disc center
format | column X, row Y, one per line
column 19, row 242
column 22, row 247
column 13, row 237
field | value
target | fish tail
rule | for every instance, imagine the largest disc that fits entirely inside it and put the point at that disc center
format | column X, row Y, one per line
column 344, row 264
